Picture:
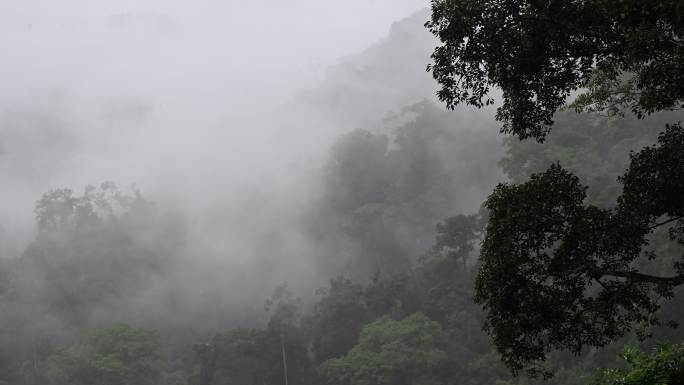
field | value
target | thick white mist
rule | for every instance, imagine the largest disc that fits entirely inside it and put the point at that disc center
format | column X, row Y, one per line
column 192, row 101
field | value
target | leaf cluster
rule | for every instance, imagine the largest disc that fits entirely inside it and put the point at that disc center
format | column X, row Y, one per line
column 558, row 273
column 626, row 53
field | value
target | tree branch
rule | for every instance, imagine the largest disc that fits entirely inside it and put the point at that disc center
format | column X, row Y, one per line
column 656, row 225
column 675, row 281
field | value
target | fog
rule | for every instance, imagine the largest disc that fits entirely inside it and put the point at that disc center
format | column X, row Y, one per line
column 222, row 113
column 185, row 100
column 254, row 192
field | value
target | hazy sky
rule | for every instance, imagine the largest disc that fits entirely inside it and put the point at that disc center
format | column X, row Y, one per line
column 184, row 98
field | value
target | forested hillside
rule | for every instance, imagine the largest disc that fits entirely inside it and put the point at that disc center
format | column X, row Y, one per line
column 451, row 253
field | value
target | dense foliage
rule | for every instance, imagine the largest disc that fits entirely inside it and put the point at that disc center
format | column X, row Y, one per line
column 392, row 352
column 558, row 273
column 664, row 366
column 580, row 250
column 360, row 327
column 384, row 190
column 627, row 53
column 112, row 356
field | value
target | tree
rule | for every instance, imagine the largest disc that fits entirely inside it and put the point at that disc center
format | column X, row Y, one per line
column 337, row 319
column 626, row 53
column 456, row 236
column 60, row 208
column 90, row 248
column 593, row 147
column 275, row 354
column 239, row 357
column 94, row 251
column 664, row 367
column 285, row 317
column 406, row 352
column 559, row 273
column 118, row 355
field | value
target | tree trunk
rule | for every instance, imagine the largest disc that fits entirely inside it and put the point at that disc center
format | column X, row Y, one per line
column 282, row 345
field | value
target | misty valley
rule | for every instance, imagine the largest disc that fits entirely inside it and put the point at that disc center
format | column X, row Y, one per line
column 261, row 193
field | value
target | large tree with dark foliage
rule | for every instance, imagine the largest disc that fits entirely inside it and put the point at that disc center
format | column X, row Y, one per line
column 626, row 53
column 558, row 273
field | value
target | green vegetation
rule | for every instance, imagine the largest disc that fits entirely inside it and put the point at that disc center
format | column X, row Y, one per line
column 116, row 355
column 664, row 367
column 412, row 320
column 578, row 253
column 392, row 352
column 558, row 273
column 625, row 54
column 385, row 190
